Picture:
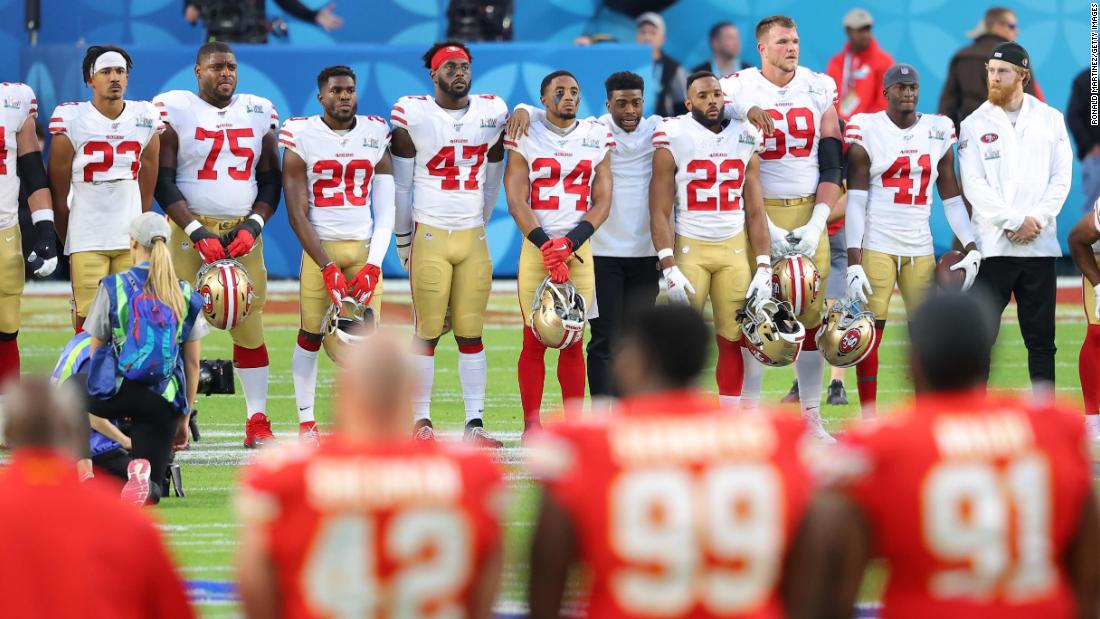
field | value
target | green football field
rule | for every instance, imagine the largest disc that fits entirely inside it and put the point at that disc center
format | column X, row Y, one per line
column 201, row 526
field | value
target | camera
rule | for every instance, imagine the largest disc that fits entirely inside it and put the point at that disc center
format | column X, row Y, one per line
column 216, row 377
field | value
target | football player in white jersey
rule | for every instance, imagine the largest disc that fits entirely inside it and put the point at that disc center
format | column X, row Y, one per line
column 622, row 249
column 102, row 169
column 447, row 161
column 338, row 182
column 800, row 172
column 558, row 182
column 20, row 168
column 894, row 158
column 220, row 183
column 710, row 168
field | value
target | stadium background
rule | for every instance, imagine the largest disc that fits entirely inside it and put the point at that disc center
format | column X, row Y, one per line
column 383, row 40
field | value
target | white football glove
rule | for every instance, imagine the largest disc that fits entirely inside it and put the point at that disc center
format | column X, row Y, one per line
column 678, row 286
column 808, row 236
column 970, row 265
column 779, row 245
column 859, row 287
column 761, row 285
column 404, row 248
column 1096, row 291
column 46, row 269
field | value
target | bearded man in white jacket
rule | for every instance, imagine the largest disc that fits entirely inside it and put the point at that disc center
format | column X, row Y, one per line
column 1015, row 162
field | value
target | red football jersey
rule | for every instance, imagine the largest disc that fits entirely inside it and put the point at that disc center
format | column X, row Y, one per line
column 375, row 530
column 972, row 500
column 72, row 550
column 680, row 510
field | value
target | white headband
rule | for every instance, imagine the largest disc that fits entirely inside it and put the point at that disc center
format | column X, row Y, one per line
column 108, row 60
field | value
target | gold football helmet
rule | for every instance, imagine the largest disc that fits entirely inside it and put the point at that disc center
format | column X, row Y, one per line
column 226, row 292
column 345, row 323
column 795, row 280
column 847, row 335
column 558, row 313
column 772, row 334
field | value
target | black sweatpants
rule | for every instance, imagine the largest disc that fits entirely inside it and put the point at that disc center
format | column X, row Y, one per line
column 153, row 423
column 116, row 462
column 1035, row 286
column 620, row 283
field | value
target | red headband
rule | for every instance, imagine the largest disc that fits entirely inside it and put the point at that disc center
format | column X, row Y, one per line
column 450, row 52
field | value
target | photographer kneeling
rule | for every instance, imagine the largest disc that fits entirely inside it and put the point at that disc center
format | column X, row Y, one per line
column 133, row 305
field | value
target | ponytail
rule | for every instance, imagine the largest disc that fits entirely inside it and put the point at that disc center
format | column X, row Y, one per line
column 162, row 282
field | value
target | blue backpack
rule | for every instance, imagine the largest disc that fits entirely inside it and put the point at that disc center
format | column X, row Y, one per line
column 150, row 347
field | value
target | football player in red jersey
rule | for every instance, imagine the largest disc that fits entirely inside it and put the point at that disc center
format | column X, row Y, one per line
column 71, row 548
column 371, row 523
column 981, row 505
column 448, row 153
column 680, row 511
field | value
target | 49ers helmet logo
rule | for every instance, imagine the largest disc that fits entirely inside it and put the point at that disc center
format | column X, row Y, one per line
column 849, row 342
column 207, row 299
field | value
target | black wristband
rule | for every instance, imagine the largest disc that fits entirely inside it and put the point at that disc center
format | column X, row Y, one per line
column 32, row 174
column 269, row 185
column 538, row 236
column 165, row 191
column 580, row 233
column 201, row 233
column 830, row 160
column 44, row 229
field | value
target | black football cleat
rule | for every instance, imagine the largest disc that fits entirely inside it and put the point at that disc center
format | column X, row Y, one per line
column 792, row 395
column 838, row 396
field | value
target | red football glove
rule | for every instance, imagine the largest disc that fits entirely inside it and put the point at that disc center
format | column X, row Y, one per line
column 243, row 238
column 556, row 251
column 208, row 244
column 559, row 274
column 363, row 284
column 210, row 249
column 335, row 283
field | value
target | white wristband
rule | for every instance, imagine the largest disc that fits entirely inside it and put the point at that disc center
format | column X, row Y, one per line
column 664, row 253
column 43, row 214
column 764, row 261
column 191, row 227
column 256, row 217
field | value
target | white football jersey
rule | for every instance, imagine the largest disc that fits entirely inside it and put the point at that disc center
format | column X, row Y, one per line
column 19, row 105
column 903, row 174
column 1096, row 223
column 339, row 171
column 105, row 196
column 710, row 174
column 218, row 149
column 561, row 169
column 449, row 177
column 788, row 165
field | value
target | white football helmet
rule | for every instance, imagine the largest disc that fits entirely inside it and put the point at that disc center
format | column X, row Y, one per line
column 226, row 292
column 772, row 334
column 558, row 313
column 344, row 324
column 795, row 280
column 847, row 334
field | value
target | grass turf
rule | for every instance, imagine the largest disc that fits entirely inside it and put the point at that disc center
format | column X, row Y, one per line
column 201, row 526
